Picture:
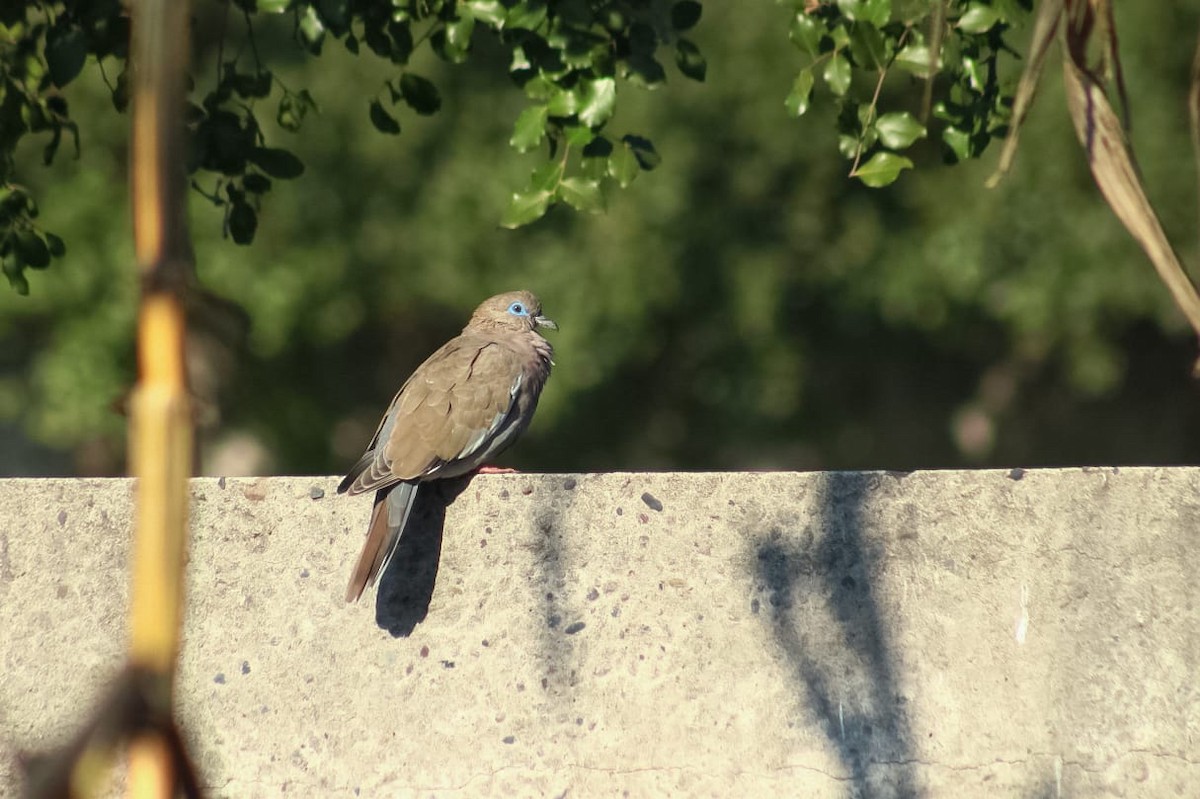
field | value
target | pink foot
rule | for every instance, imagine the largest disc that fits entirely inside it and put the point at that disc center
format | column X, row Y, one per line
column 496, row 470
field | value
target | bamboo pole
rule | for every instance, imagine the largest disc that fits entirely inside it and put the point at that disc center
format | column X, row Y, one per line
column 161, row 434
column 139, row 709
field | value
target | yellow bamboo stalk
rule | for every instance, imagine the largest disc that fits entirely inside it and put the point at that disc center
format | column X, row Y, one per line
column 161, row 434
column 152, row 776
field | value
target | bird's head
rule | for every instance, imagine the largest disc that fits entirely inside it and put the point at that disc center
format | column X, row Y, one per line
column 514, row 310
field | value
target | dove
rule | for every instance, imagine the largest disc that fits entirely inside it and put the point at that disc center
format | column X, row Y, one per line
column 464, row 405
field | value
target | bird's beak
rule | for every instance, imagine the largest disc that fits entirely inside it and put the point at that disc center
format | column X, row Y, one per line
column 541, row 321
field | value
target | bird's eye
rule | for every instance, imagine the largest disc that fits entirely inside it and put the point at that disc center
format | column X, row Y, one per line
column 518, row 309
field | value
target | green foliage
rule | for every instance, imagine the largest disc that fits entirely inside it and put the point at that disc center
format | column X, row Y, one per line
column 382, row 120
column 744, row 307
column 566, row 55
column 885, row 43
column 882, row 169
column 38, row 57
column 569, row 58
column 420, row 94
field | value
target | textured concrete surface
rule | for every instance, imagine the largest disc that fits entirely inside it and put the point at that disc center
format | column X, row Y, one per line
column 936, row 634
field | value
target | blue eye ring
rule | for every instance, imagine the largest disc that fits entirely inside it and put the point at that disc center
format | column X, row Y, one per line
column 518, row 309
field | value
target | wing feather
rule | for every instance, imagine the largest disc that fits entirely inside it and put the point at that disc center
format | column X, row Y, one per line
column 445, row 418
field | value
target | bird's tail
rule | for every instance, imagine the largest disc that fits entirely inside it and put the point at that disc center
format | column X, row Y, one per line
column 388, row 519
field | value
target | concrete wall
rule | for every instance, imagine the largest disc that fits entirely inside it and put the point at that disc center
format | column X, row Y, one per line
column 940, row 634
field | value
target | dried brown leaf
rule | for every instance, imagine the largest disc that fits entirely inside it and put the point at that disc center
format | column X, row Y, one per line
column 1115, row 171
column 1194, row 110
column 1049, row 14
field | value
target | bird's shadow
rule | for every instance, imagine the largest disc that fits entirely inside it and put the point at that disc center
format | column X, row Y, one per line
column 406, row 587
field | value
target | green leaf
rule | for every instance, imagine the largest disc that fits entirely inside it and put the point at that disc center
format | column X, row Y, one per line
column 31, row 249
column 596, row 158
column 293, row 107
column 876, row 12
column 34, row 69
column 120, row 94
column 402, row 41
column 614, row 19
column 581, row 49
column 277, row 163
column 52, row 146
column 685, row 14
column 530, row 128
column 540, row 89
column 564, row 103
column 644, row 71
column 797, row 100
column 420, row 94
column 598, row 147
column 381, row 119
column 336, row 14
column 546, row 177
column 489, row 12
column 243, row 222
column 882, row 169
column 15, row 200
column 525, row 207
column 528, row 15
column 976, row 72
column 260, row 85
column 837, row 74
column 520, row 60
column 643, row 150
column 899, row 130
column 578, row 135
column 446, row 49
column 643, row 40
column 847, row 145
column 978, row 18
column 246, row 85
column 690, row 60
column 594, row 168
column 66, row 52
column 598, row 102
column 948, row 112
column 256, row 183
column 582, row 194
column 623, row 165
column 870, row 47
column 458, row 31
column 273, row 6
column 806, row 33
column 56, row 245
column 548, row 61
column 914, row 59
column 312, row 30
column 959, row 143
column 16, row 276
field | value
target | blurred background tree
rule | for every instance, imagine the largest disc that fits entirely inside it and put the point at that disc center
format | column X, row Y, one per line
column 744, row 306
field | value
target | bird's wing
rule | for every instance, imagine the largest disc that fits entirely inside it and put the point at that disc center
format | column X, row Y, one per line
column 445, row 417
column 368, row 459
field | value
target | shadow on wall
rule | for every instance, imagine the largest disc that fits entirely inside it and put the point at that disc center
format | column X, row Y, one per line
column 827, row 619
column 550, row 576
column 405, row 588
column 843, row 665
